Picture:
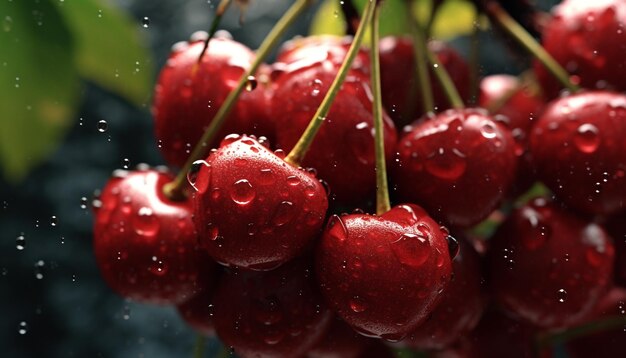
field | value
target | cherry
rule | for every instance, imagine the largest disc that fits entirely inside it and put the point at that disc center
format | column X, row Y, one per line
column 588, row 39
column 457, row 164
column 400, row 89
column 362, row 260
column 616, row 227
column 460, row 308
column 188, row 94
column 198, row 311
column 548, row 266
column 304, row 52
column 276, row 313
column 605, row 343
column 251, row 208
column 343, row 150
column 340, row 341
column 520, row 105
column 578, row 149
column 145, row 244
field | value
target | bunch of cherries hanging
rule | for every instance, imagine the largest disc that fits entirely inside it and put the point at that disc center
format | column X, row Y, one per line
column 251, row 240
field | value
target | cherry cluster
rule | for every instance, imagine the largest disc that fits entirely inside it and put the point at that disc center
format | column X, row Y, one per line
column 256, row 246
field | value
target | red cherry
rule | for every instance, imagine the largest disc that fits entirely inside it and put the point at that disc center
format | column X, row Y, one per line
column 145, row 244
column 616, row 227
column 340, row 341
column 548, row 266
column 198, row 311
column 458, row 165
column 363, row 260
column 326, row 50
column 587, row 38
column 605, row 343
column 520, row 110
column 400, row 88
column 579, row 152
column 188, row 94
column 270, row 314
column 254, row 210
column 343, row 150
column 460, row 308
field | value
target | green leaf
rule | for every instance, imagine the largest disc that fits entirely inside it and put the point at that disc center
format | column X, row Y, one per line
column 110, row 50
column 329, row 18
column 39, row 86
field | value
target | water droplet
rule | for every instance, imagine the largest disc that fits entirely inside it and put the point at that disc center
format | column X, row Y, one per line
column 488, row 130
column 561, row 295
column 337, row 228
column 83, row 203
column 316, row 87
column 20, row 242
column 193, row 174
column 274, row 337
column 284, row 213
column 587, row 138
column 53, row 221
column 293, row 180
column 125, row 163
column 146, row 223
column 536, row 231
column 453, row 246
column 446, row 164
column 158, row 267
column 102, row 126
column 7, row 23
column 357, row 305
column 22, row 328
column 242, row 192
column 411, row 249
column 39, row 269
column 251, row 83
column 145, row 22
column 268, row 311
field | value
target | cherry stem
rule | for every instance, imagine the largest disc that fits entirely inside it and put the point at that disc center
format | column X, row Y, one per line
column 525, row 39
column 421, row 63
column 175, row 189
column 444, row 79
column 219, row 13
column 382, row 190
column 298, row 152
column 198, row 348
column 599, row 325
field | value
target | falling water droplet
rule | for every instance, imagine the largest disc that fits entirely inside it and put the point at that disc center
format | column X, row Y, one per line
column 7, row 24
column 53, row 221
column 251, row 83
column 83, row 203
column 561, row 295
column 23, row 328
column 193, row 173
column 453, row 246
column 39, row 268
column 145, row 22
column 126, row 313
column 102, row 126
column 20, row 242
column 125, row 163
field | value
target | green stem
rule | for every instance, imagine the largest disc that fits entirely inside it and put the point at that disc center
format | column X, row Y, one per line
column 174, row 190
column 604, row 324
column 304, row 143
column 219, row 13
column 382, row 191
column 419, row 52
column 530, row 44
column 198, row 348
column 444, row 79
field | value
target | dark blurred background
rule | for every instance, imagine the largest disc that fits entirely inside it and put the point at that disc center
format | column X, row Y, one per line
column 52, row 299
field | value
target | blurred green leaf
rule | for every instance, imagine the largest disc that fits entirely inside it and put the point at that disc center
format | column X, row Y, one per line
column 329, row 18
column 39, row 86
column 109, row 48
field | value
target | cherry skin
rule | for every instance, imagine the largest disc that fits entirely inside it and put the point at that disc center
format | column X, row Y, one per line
column 458, row 165
column 188, row 94
column 199, row 310
column 343, row 149
column 399, row 84
column 460, row 308
column 606, row 343
column 548, row 266
column 277, row 313
column 520, row 106
column 578, row 149
column 340, row 341
column 304, row 52
column 362, row 260
column 588, row 39
column 616, row 227
column 252, row 209
column 145, row 244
